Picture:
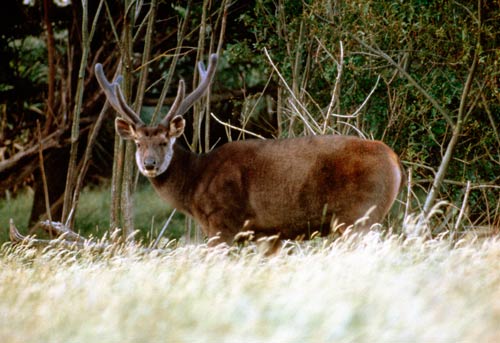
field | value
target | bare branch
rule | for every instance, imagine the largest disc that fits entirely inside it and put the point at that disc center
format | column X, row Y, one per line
column 42, row 172
column 336, row 87
column 410, row 79
column 463, row 207
column 162, row 231
column 294, row 98
column 235, row 127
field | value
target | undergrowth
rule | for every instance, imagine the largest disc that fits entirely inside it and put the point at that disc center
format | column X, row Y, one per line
column 92, row 217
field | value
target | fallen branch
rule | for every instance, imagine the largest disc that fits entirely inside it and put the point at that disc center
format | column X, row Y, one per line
column 66, row 238
column 60, row 230
column 50, row 141
column 69, row 239
column 235, row 127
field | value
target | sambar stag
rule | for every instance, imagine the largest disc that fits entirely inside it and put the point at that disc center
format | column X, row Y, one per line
column 286, row 187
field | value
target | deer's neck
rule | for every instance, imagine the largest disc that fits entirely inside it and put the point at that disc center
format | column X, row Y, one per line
column 177, row 184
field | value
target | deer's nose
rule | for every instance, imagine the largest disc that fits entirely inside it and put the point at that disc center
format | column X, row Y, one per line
column 149, row 163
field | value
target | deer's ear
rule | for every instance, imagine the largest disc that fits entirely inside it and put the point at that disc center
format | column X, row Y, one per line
column 177, row 125
column 125, row 129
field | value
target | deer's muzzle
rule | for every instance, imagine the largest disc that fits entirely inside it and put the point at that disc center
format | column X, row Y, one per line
column 149, row 164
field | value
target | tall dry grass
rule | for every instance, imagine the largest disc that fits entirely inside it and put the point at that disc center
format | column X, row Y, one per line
column 374, row 288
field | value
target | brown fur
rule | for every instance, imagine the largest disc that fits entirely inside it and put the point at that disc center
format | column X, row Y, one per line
column 288, row 187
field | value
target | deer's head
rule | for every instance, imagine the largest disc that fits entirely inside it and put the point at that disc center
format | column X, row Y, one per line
column 154, row 143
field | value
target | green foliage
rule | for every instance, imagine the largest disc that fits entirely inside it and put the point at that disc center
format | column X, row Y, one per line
column 433, row 41
column 23, row 77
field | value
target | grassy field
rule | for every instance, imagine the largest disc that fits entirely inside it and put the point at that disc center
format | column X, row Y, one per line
column 92, row 217
column 373, row 289
column 381, row 289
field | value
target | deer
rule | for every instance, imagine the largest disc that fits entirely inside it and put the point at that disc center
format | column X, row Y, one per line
column 290, row 188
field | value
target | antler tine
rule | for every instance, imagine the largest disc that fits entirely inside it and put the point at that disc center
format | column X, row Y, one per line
column 128, row 112
column 177, row 103
column 113, row 94
column 106, row 86
column 206, row 79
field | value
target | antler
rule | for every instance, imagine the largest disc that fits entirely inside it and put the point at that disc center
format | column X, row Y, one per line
column 206, row 78
column 175, row 106
column 115, row 97
column 181, row 104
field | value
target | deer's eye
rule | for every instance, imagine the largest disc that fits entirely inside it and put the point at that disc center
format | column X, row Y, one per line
column 163, row 144
column 138, row 144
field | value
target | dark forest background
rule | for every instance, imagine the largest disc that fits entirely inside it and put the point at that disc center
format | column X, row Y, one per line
column 423, row 76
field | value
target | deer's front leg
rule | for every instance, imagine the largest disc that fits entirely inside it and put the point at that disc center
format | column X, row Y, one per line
column 222, row 227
